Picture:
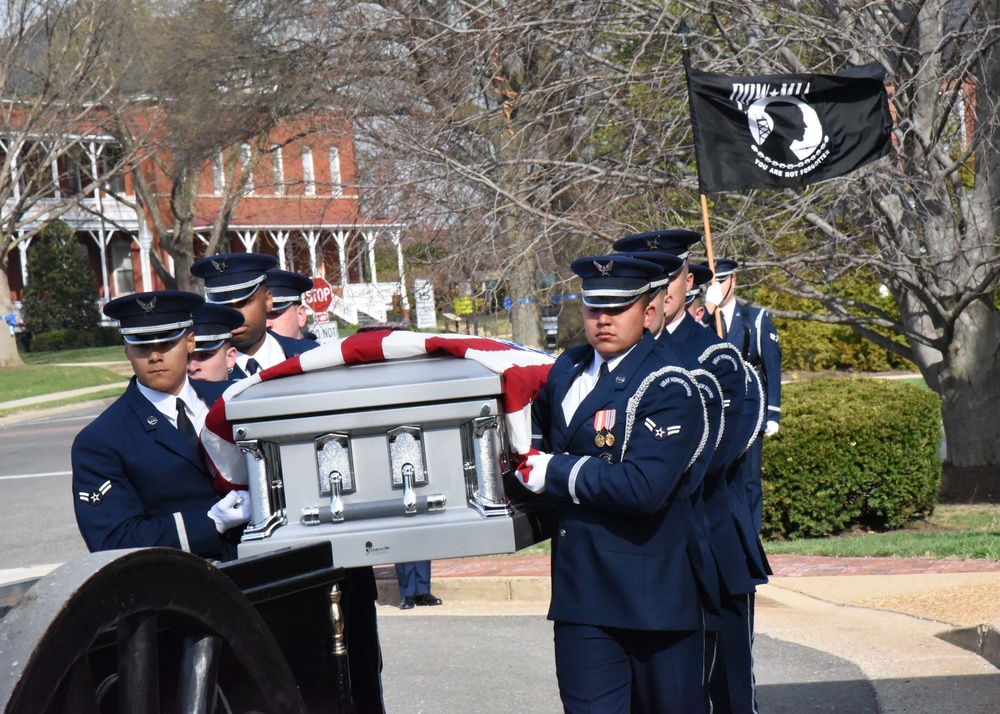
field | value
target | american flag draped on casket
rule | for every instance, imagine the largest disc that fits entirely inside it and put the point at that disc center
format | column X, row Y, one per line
column 522, row 371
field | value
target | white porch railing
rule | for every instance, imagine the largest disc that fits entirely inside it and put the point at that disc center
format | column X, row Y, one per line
column 90, row 214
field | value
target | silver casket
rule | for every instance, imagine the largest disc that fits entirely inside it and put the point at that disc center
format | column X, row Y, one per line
column 391, row 462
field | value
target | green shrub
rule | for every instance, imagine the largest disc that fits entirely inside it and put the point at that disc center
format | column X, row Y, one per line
column 58, row 340
column 851, row 452
column 818, row 346
column 60, row 293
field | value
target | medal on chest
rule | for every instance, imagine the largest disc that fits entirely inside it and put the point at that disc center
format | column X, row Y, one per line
column 604, row 422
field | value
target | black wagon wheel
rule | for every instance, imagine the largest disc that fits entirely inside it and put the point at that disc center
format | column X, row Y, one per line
column 145, row 631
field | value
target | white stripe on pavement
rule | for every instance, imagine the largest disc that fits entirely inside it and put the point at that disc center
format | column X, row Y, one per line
column 50, row 473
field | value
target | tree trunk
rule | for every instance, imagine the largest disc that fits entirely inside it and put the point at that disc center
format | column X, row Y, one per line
column 525, row 317
column 9, row 356
column 970, row 389
column 182, row 273
column 180, row 244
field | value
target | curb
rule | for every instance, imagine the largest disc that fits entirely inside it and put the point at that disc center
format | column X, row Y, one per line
column 983, row 640
column 478, row 589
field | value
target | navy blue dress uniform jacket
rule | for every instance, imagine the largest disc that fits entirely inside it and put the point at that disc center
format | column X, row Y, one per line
column 753, row 334
column 702, row 347
column 725, row 510
column 744, row 482
column 138, row 482
column 622, row 515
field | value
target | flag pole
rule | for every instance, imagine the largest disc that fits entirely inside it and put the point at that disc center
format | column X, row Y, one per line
column 683, row 30
column 711, row 260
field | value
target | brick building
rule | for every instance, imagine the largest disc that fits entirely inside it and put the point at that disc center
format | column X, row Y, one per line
column 300, row 204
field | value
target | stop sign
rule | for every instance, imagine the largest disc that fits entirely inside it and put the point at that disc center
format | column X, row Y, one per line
column 319, row 298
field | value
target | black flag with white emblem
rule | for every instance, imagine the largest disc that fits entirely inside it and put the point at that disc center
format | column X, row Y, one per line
column 787, row 131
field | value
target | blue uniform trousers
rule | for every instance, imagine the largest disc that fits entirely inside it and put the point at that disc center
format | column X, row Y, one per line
column 732, row 687
column 611, row 670
column 414, row 578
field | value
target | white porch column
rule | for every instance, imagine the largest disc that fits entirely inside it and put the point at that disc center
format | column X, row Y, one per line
column 341, row 238
column 280, row 239
column 370, row 238
column 14, row 152
column 54, row 167
column 103, row 236
column 102, row 246
column 145, row 241
column 248, row 239
column 23, row 249
column 397, row 240
column 312, row 242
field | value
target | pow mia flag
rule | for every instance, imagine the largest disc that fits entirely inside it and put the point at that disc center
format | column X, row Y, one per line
column 787, row 131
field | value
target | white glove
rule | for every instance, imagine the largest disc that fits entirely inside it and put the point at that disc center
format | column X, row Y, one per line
column 532, row 472
column 231, row 510
column 771, row 428
column 713, row 294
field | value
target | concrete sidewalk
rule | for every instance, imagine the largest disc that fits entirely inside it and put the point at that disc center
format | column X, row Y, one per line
column 928, row 604
column 922, row 633
column 40, row 401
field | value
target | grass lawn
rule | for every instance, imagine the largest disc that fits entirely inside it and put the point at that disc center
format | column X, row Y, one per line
column 31, row 381
column 952, row 531
column 970, row 532
column 115, row 353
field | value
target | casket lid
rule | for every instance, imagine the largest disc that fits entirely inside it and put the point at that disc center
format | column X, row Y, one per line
column 346, row 388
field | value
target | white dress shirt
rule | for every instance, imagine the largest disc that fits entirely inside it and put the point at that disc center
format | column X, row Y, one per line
column 166, row 404
column 585, row 383
column 269, row 354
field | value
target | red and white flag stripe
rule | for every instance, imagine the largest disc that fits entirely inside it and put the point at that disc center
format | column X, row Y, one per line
column 522, row 371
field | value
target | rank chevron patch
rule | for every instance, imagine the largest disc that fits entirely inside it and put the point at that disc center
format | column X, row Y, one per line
column 660, row 433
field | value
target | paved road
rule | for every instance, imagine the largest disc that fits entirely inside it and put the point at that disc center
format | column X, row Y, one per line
column 35, row 489
column 504, row 665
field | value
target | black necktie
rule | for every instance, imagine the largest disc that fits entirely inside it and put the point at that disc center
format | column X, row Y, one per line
column 602, row 372
column 253, row 366
column 184, row 424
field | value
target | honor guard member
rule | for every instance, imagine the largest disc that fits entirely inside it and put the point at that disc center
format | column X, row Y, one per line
column 738, row 555
column 139, row 478
column 692, row 300
column 696, row 348
column 288, row 313
column 214, row 355
column 238, row 280
column 751, row 330
column 617, row 430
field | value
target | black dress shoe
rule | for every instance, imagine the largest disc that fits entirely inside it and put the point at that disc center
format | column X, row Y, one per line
column 428, row 599
column 406, row 603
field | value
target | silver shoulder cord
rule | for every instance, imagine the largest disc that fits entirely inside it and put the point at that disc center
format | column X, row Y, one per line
column 633, row 405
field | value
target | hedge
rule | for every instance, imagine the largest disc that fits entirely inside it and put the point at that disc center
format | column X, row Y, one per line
column 851, row 452
column 57, row 340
